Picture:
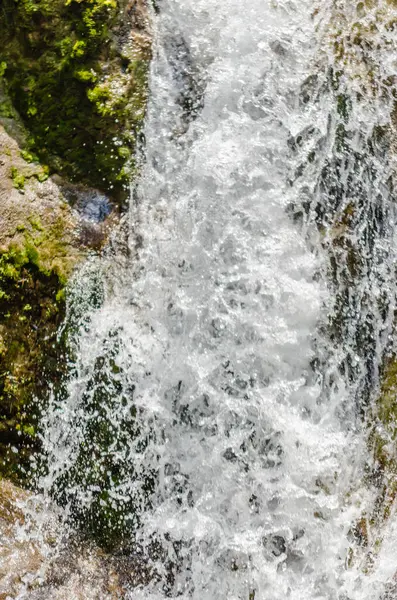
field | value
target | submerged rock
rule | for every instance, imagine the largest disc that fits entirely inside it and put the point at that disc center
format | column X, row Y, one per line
column 34, row 565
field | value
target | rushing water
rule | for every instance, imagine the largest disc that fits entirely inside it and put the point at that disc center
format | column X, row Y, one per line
column 223, row 367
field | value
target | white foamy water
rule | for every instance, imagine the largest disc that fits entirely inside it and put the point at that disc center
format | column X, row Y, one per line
column 236, row 451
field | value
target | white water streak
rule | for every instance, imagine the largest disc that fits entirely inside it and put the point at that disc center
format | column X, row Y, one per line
column 216, row 321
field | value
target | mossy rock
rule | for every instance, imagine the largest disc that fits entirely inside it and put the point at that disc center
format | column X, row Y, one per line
column 356, row 40
column 40, row 246
column 380, row 474
column 31, row 308
column 382, row 423
column 76, row 71
column 356, row 34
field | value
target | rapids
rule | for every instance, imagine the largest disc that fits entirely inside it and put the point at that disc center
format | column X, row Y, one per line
column 222, row 366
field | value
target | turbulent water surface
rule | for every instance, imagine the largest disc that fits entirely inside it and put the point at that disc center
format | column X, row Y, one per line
column 224, row 366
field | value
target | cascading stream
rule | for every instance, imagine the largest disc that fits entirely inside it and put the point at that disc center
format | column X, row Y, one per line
column 195, row 412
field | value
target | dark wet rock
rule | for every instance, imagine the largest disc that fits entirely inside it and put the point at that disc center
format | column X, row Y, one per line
column 230, row 455
column 276, row 545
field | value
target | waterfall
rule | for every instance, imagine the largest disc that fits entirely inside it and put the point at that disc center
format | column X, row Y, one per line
column 223, row 365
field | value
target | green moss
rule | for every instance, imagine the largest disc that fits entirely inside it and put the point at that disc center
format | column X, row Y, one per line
column 36, row 223
column 33, row 275
column 18, row 179
column 85, row 76
column 6, row 109
column 20, row 176
column 59, row 64
column 29, row 156
column 42, row 174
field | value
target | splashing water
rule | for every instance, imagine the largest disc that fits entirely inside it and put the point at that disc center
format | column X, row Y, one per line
column 212, row 407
